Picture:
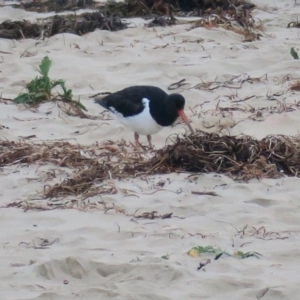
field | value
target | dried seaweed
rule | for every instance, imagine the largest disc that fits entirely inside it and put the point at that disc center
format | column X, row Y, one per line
column 54, row 5
column 138, row 8
column 93, row 164
column 212, row 6
column 152, row 215
column 130, row 8
column 152, row 8
column 255, row 113
column 238, row 20
column 92, row 168
column 84, row 23
column 19, row 29
column 232, row 15
column 293, row 25
column 234, row 82
column 162, row 21
column 259, row 233
column 62, row 153
column 239, row 157
column 76, row 24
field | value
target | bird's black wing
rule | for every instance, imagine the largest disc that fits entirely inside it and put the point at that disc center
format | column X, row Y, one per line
column 129, row 101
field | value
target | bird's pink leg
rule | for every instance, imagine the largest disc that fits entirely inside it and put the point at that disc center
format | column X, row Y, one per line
column 136, row 138
column 149, row 140
column 138, row 144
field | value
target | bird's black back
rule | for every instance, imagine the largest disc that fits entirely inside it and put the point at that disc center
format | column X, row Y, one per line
column 129, row 102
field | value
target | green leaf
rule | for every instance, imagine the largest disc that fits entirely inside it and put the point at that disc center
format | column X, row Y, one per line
column 66, row 93
column 39, row 96
column 165, row 257
column 32, row 85
column 201, row 249
column 242, row 255
column 47, row 85
column 58, row 82
column 294, row 53
column 80, row 105
column 45, row 66
column 22, row 98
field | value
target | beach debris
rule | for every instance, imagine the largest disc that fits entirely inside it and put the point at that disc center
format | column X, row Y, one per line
column 209, row 193
column 165, row 257
column 54, row 5
column 162, row 22
column 239, row 157
column 72, row 23
column 40, row 243
column 203, row 264
column 132, row 8
column 261, row 293
column 19, row 30
column 153, row 215
column 212, row 6
column 258, row 233
column 234, row 82
column 293, row 25
column 84, row 23
column 234, row 15
column 295, row 87
column 91, row 168
column 239, row 20
column 40, row 90
column 178, row 84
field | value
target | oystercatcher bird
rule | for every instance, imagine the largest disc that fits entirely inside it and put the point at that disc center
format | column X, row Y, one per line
column 145, row 109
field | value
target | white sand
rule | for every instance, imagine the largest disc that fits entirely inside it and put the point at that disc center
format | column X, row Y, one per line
column 108, row 256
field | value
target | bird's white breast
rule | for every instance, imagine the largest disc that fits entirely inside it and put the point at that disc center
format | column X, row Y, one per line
column 143, row 123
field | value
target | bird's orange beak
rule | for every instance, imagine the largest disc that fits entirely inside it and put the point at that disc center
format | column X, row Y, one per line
column 183, row 116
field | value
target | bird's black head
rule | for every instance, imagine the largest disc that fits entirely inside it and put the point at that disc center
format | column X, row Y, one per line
column 178, row 100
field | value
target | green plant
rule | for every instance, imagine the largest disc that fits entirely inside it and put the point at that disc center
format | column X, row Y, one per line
column 196, row 251
column 201, row 249
column 242, row 255
column 294, row 53
column 40, row 89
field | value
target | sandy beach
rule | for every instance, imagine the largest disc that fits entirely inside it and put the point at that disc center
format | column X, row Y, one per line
column 90, row 253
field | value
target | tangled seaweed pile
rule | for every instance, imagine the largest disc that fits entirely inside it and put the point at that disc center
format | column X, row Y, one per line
column 239, row 157
column 54, row 5
column 79, row 25
column 232, row 15
column 92, row 164
column 130, row 8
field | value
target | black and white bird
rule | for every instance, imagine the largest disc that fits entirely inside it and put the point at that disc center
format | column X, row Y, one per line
column 145, row 109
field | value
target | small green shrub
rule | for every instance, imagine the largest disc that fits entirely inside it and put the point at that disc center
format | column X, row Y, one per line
column 40, row 89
